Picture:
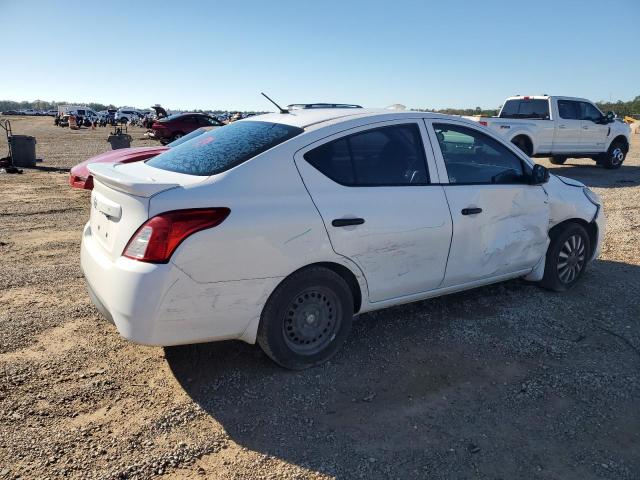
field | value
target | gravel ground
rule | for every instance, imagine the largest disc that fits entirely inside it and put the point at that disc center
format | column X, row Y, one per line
column 507, row 381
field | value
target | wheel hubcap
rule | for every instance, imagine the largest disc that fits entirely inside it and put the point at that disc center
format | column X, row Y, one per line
column 617, row 156
column 311, row 321
column 571, row 259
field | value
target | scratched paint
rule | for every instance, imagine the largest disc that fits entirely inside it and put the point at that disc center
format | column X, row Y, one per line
column 298, row 236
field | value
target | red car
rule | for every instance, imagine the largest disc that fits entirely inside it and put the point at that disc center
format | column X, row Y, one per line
column 176, row 126
column 81, row 178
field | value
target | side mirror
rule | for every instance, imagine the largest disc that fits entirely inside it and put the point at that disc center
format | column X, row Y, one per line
column 610, row 116
column 539, row 175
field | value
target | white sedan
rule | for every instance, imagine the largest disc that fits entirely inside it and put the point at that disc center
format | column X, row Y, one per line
column 281, row 228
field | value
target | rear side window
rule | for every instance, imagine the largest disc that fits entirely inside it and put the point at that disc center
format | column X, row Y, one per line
column 538, row 109
column 383, row 156
column 569, row 110
column 472, row 157
column 223, row 148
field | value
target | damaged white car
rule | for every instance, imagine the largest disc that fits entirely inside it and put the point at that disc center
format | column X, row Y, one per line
column 281, row 228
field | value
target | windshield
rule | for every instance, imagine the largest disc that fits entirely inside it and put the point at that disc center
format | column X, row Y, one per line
column 526, row 108
column 223, row 148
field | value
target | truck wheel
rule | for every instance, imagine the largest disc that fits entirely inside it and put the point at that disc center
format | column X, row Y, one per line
column 558, row 160
column 523, row 144
column 306, row 319
column 615, row 155
column 567, row 258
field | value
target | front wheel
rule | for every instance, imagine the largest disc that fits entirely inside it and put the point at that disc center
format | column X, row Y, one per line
column 306, row 319
column 567, row 258
column 558, row 160
column 615, row 156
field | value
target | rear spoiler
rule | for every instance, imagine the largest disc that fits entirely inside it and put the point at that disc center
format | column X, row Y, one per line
column 109, row 174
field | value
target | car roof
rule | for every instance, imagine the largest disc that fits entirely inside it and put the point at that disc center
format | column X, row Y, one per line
column 319, row 117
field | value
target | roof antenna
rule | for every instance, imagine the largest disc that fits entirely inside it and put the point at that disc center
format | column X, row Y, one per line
column 282, row 110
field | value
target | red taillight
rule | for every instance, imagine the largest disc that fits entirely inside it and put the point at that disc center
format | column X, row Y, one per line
column 156, row 240
column 483, row 123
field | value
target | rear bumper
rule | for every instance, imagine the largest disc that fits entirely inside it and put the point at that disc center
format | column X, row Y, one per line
column 155, row 304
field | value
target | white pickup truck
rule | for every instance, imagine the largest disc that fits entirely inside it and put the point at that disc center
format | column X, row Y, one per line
column 561, row 127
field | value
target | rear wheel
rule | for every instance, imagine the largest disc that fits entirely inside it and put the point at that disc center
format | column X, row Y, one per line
column 523, row 144
column 176, row 136
column 306, row 319
column 558, row 160
column 567, row 258
column 615, row 155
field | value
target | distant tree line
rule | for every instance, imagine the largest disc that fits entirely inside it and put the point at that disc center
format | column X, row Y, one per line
column 621, row 108
column 44, row 105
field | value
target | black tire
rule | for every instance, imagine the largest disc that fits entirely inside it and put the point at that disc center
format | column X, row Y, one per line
column 523, row 144
column 176, row 136
column 615, row 156
column 306, row 319
column 558, row 160
column 567, row 258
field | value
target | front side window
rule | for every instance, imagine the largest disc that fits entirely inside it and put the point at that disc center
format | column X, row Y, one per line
column 223, row 148
column 589, row 112
column 383, row 156
column 569, row 110
column 473, row 157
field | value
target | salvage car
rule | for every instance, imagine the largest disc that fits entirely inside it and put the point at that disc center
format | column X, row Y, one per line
column 80, row 177
column 562, row 128
column 176, row 126
column 280, row 228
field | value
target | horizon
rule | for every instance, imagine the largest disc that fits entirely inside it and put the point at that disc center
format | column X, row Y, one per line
column 220, row 56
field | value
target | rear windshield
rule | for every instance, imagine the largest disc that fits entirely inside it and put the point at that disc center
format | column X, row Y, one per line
column 526, row 109
column 223, row 148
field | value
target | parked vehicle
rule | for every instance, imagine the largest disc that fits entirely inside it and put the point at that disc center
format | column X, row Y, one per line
column 126, row 115
column 560, row 128
column 29, row 112
column 176, row 126
column 280, row 228
column 11, row 112
column 80, row 177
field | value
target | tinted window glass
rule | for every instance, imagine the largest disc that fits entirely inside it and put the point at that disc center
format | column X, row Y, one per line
column 473, row 157
column 569, row 110
column 223, row 148
column 589, row 112
column 382, row 156
column 525, row 109
column 196, row 133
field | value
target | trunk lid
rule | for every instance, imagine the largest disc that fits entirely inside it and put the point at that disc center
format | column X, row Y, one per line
column 120, row 200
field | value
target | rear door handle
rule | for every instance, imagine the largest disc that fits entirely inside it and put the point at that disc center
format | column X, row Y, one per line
column 471, row 211
column 562, row 126
column 346, row 222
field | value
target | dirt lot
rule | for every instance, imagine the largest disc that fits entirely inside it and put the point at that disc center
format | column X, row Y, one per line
column 507, row 381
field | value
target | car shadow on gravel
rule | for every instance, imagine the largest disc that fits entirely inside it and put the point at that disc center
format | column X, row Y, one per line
column 598, row 177
column 488, row 380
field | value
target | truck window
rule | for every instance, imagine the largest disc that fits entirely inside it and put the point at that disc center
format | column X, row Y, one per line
column 569, row 110
column 589, row 112
column 526, row 108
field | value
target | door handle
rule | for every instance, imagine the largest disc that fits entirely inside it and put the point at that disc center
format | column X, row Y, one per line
column 346, row 222
column 562, row 126
column 471, row 211
column 585, row 127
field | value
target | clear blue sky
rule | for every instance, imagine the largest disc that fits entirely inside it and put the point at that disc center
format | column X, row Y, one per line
column 424, row 54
